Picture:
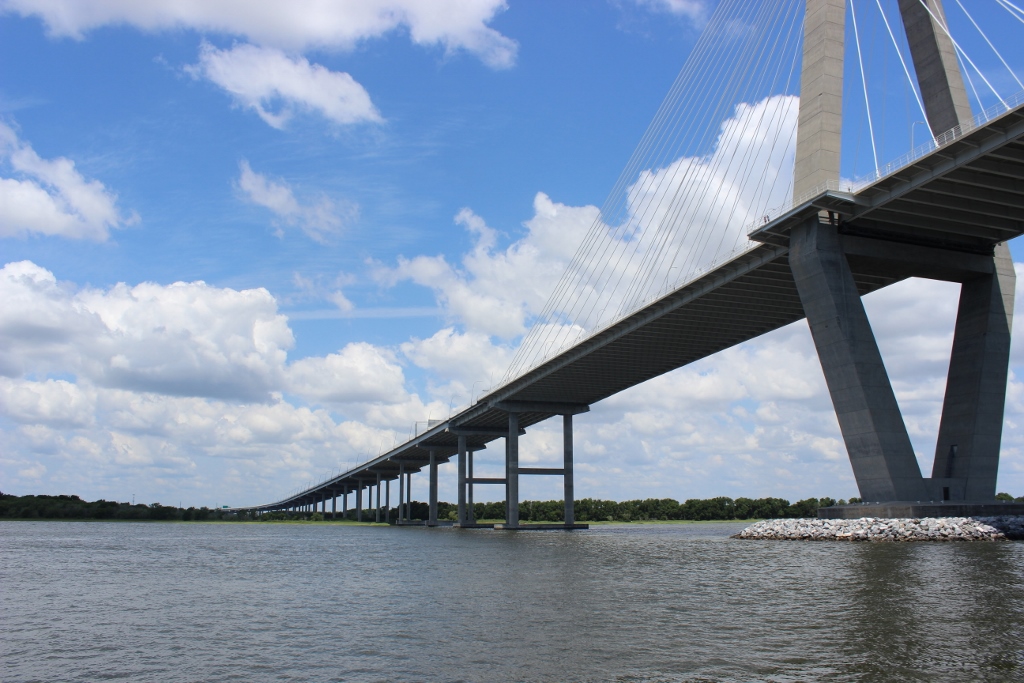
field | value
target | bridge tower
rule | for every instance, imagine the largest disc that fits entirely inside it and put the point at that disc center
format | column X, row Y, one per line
column 876, row 438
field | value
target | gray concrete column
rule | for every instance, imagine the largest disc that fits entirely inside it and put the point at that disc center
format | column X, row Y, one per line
column 938, row 74
column 344, row 503
column 567, row 483
column 972, row 412
column 334, row 505
column 408, row 496
column 512, row 460
column 508, row 496
column 323, row 504
column 359, row 501
column 377, row 511
column 876, row 438
column 432, row 514
column 471, row 509
column 462, row 480
column 820, row 120
column 401, row 492
column 387, row 502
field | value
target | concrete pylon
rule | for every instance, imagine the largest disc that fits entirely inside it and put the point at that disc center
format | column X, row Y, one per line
column 938, row 74
column 971, row 428
column 821, row 96
column 970, row 432
column 883, row 460
column 876, row 438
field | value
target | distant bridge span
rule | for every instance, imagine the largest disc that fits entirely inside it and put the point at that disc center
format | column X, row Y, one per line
column 946, row 215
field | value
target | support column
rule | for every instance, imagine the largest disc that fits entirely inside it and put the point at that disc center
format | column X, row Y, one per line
column 334, row 505
column 876, row 438
column 432, row 513
column 971, row 429
column 462, row 480
column 377, row 511
column 408, row 496
column 359, row 500
column 323, row 504
column 512, row 467
column 401, row 492
column 469, row 492
column 387, row 502
column 567, row 483
column 344, row 504
column 821, row 96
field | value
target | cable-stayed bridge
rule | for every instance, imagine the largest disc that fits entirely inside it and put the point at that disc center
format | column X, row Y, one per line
column 734, row 219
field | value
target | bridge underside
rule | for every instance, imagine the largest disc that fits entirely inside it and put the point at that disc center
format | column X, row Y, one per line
column 940, row 217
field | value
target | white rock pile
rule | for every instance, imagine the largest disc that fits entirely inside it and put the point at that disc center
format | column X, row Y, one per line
column 892, row 530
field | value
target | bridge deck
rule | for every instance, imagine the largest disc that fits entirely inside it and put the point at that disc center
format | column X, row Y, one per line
column 964, row 198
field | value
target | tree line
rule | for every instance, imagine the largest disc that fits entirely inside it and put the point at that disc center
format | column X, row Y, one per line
column 73, row 507
column 587, row 510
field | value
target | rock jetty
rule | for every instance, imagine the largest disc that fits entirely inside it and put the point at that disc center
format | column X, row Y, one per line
column 887, row 530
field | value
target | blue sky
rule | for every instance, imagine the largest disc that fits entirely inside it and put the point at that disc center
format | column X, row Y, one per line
column 286, row 237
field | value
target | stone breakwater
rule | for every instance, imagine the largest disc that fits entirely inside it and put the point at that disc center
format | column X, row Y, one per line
column 891, row 530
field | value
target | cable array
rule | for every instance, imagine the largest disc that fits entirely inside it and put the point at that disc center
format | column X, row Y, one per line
column 718, row 157
column 718, row 152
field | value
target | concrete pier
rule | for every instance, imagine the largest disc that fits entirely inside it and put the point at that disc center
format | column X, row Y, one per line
column 876, row 439
column 432, row 511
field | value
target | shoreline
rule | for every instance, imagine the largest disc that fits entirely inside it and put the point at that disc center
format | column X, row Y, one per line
column 349, row 522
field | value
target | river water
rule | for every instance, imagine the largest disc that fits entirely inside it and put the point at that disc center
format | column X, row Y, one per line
column 293, row 602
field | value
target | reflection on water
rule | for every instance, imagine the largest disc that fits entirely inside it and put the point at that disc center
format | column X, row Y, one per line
column 254, row 602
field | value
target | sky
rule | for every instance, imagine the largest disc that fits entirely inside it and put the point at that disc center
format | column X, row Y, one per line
column 246, row 244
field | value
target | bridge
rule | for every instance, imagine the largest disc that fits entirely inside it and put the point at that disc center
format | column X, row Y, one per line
column 946, row 211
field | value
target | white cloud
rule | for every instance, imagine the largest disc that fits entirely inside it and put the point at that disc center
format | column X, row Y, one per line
column 360, row 372
column 52, row 402
column 695, row 11
column 50, row 197
column 469, row 362
column 297, row 25
column 180, row 389
column 320, row 219
column 276, row 85
column 496, row 292
column 187, row 339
